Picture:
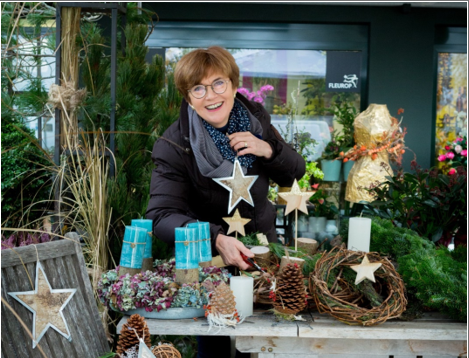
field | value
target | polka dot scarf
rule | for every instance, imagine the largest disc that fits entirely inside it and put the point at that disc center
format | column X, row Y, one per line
column 238, row 122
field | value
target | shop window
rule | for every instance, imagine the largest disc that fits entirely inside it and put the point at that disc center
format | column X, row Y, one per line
column 451, row 101
column 291, row 84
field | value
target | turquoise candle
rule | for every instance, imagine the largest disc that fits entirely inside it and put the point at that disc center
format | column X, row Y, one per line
column 187, row 248
column 147, row 225
column 205, row 248
column 133, row 247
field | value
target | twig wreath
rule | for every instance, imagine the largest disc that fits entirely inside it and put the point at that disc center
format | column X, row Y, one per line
column 368, row 304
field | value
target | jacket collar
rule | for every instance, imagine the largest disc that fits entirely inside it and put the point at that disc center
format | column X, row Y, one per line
column 184, row 117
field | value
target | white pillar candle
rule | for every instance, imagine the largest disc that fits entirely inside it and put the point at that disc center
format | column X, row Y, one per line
column 359, row 232
column 242, row 288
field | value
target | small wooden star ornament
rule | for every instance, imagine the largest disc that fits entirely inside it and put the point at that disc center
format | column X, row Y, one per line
column 365, row 270
column 296, row 199
column 236, row 223
column 238, row 185
column 47, row 305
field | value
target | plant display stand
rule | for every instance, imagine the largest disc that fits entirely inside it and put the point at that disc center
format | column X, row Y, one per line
column 321, row 336
column 64, row 267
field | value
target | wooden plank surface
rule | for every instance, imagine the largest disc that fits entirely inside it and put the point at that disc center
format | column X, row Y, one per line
column 64, row 267
column 324, row 347
column 258, row 325
column 46, row 251
column 325, row 326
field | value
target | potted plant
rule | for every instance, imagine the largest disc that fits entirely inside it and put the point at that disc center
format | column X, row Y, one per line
column 344, row 114
column 329, row 165
column 427, row 201
column 323, row 210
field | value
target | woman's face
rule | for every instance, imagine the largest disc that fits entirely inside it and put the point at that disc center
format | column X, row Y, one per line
column 215, row 108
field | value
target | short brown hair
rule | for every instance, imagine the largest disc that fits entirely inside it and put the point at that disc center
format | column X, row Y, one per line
column 197, row 64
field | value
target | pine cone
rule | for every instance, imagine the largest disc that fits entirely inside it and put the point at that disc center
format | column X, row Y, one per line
column 290, row 293
column 128, row 338
column 223, row 300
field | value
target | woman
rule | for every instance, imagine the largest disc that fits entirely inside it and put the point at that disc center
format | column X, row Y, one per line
column 216, row 125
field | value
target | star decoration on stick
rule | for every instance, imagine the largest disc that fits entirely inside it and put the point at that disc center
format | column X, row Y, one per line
column 296, row 199
column 47, row 306
column 236, row 223
column 238, row 185
column 365, row 270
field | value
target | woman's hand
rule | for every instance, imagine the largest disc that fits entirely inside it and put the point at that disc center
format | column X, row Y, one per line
column 247, row 143
column 230, row 249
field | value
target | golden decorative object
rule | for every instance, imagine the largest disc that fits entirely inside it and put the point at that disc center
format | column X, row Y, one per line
column 236, row 223
column 371, row 128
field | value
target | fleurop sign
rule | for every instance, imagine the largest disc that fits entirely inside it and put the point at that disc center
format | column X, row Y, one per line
column 343, row 71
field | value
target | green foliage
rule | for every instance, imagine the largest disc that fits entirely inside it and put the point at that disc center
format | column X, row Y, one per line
column 438, row 279
column 434, row 277
column 312, row 171
column 310, row 261
column 332, row 149
column 345, row 114
column 322, row 206
column 251, row 239
column 427, row 201
column 22, row 181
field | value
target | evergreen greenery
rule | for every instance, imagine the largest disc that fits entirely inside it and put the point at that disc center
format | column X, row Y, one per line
column 434, row 276
column 21, row 185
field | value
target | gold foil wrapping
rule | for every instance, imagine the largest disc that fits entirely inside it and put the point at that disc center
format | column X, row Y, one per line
column 371, row 127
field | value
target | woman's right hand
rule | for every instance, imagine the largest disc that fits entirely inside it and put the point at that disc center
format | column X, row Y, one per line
column 230, row 249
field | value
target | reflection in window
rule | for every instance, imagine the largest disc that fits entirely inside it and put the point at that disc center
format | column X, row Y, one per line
column 288, row 83
column 451, row 101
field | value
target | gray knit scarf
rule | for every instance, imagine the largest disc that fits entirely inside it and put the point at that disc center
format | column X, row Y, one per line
column 209, row 160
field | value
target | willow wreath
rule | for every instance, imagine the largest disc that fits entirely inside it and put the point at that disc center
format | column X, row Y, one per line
column 334, row 291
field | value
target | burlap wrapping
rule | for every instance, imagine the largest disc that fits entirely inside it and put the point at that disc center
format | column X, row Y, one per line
column 371, row 127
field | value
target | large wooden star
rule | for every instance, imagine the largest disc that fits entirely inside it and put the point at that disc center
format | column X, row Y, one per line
column 238, row 185
column 365, row 270
column 296, row 199
column 47, row 306
column 236, row 223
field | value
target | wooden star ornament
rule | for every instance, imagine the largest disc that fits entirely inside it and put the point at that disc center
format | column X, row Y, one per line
column 238, row 185
column 365, row 270
column 236, row 223
column 296, row 199
column 47, row 305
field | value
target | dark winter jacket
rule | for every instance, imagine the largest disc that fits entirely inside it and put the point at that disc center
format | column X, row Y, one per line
column 179, row 194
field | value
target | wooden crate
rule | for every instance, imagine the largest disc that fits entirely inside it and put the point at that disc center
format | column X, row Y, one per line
column 64, row 266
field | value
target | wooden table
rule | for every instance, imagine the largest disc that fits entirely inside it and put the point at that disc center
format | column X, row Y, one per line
column 321, row 336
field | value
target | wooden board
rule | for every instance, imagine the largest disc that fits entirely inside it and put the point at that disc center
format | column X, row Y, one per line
column 64, row 267
column 257, row 325
column 322, row 336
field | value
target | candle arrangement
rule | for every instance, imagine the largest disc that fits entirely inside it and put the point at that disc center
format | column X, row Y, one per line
column 147, row 263
column 205, row 248
column 359, row 232
column 133, row 249
column 187, row 254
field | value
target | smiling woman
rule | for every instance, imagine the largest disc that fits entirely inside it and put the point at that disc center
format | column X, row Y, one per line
column 217, row 128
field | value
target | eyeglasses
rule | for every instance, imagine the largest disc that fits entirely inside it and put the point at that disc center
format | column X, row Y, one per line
column 218, row 86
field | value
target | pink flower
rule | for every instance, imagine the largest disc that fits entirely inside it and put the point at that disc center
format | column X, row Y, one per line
column 321, row 201
column 267, row 88
column 458, row 140
column 258, row 99
column 243, row 91
column 450, row 155
column 441, row 158
column 458, row 149
column 464, row 152
column 452, row 171
column 447, row 147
